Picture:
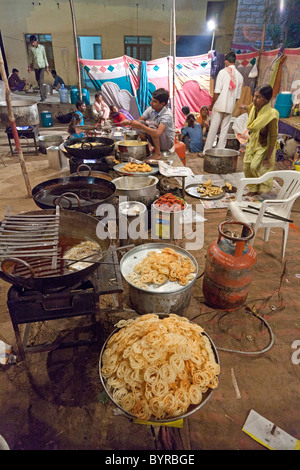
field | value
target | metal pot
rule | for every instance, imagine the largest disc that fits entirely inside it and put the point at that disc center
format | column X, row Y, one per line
column 142, row 189
column 232, row 142
column 48, row 90
column 168, row 298
column 135, row 148
column 220, row 161
column 130, row 135
column 25, row 113
column 75, row 193
column 72, row 225
column 50, row 140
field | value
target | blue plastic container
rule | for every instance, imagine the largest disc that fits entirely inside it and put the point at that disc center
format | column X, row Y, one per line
column 47, row 120
column 85, row 96
column 284, row 103
column 74, row 93
column 63, row 94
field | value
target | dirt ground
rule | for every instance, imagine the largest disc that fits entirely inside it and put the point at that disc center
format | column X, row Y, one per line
column 54, row 400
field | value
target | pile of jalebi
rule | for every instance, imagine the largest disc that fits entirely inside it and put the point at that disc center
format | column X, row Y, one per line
column 158, row 366
column 159, row 266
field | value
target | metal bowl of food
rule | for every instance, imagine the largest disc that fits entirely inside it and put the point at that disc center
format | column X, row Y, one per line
column 173, row 295
column 151, row 379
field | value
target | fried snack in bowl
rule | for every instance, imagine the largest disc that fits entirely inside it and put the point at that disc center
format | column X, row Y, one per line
column 159, row 368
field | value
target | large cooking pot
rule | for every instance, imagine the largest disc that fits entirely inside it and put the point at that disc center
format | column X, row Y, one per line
column 74, row 227
column 135, row 148
column 25, row 113
column 170, row 297
column 142, row 189
column 88, row 149
column 220, row 161
column 75, row 193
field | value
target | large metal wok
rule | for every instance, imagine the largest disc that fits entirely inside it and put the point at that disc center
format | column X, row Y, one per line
column 88, row 150
column 75, row 193
column 74, row 228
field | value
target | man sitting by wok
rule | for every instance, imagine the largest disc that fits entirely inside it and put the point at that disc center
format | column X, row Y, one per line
column 156, row 123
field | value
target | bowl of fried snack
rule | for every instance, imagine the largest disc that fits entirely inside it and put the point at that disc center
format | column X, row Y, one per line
column 158, row 367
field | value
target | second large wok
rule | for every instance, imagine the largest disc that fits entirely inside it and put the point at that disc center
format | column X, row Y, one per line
column 89, row 147
column 74, row 228
column 75, row 193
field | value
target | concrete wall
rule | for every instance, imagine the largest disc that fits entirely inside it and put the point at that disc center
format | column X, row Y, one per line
column 110, row 19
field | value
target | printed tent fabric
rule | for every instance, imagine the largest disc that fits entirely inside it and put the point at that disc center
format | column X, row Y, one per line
column 244, row 64
column 290, row 73
column 119, row 80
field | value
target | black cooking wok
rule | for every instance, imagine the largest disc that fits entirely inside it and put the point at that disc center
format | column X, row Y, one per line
column 74, row 227
column 75, row 193
column 87, row 150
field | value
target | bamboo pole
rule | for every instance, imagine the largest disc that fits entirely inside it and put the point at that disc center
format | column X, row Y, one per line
column 76, row 47
column 13, row 125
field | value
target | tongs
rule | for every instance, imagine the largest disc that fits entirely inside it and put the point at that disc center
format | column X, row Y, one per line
column 268, row 214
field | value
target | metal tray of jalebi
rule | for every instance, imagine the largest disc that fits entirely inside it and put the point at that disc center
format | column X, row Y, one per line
column 139, row 254
column 131, row 384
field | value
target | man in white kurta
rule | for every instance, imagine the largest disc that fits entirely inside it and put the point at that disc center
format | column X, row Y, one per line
column 227, row 91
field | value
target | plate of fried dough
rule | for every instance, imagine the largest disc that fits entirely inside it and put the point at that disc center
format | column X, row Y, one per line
column 205, row 190
column 135, row 169
column 159, row 367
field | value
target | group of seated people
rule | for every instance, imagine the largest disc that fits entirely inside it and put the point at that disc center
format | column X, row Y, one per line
column 16, row 83
column 155, row 125
column 195, row 130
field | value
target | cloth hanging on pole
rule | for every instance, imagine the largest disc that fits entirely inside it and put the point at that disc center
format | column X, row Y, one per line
column 143, row 95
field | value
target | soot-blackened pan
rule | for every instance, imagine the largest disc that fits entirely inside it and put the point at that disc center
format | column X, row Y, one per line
column 90, row 147
column 37, row 273
column 75, row 193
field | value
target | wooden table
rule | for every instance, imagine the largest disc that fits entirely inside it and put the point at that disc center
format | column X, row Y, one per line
column 290, row 126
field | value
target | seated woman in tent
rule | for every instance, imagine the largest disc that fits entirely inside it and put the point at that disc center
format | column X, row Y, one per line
column 193, row 131
column 204, row 120
column 115, row 115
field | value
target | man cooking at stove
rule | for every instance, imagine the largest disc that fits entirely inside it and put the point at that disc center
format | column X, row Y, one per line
column 156, row 124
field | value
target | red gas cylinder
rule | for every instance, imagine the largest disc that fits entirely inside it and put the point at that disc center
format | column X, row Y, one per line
column 228, row 268
column 180, row 149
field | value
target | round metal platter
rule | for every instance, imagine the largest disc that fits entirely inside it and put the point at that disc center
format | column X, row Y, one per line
column 192, row 408
column 191, row 189
column 119, row 169
column 137, row 254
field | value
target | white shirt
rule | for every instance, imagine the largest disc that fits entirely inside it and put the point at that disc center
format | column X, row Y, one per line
column 226, row 100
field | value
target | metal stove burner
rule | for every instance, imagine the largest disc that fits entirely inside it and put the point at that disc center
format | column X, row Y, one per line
column 28, row 306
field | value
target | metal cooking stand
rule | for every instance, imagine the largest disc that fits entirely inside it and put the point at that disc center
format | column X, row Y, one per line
column 26, row 307
column 31, row 133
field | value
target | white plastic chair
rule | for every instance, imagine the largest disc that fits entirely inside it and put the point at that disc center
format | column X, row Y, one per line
column 280, row 206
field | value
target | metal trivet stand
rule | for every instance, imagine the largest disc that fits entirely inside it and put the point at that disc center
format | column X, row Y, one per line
column 28, row 306
column 32, row 132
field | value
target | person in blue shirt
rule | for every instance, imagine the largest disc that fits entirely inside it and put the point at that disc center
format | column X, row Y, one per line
column 58, row 81
column 194, row 132
column 81, row 107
